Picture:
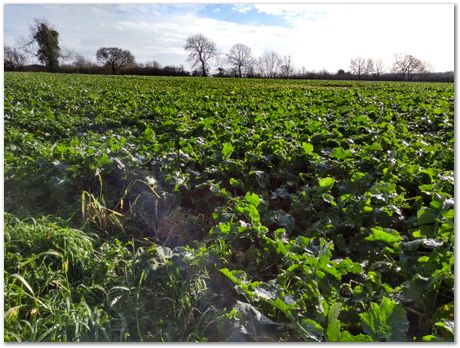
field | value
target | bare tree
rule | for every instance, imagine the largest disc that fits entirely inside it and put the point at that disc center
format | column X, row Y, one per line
column 269, row 63
column 407, row 66
column 251, row 70
column 358, row 66
column 287, row 68
column 378, row 68
column 202, row 50
column 221, row 63
column 153, row 64
column 240, row 58
column 369, row 68
column 114, row 57
column 425, row 70
column 12, row 58
column 80, row 62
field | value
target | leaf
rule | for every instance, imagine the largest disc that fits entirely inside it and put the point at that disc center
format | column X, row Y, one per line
column 283, row 306
column 37, row 256
column 333, row 325
column 327, row 197
column 386, row 235
column 448, row 325
column 266, row 292
column 23, row 281
column 340, row 153
column 252, row 199
column 426, row 216
column 227, row 150
column 348, row 337
column 251, row 325
column 327, row 182
column 280, row 217
column 308, row 148
column 312, row 329
column 234, row 182
column 386, row 322
column 429, row 338
column 426, row 243
column 12, row 313
column 236, row 276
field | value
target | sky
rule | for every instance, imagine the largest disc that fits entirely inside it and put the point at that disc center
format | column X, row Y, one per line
column 316, row 36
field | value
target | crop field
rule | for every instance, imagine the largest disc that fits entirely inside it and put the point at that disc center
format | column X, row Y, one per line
column 206, row 209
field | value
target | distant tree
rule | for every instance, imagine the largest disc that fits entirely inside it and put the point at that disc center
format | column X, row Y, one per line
column 12, row 58
column 81, row 62
column 251, row 69
column 114, row 57
column 407, row 66
column 201, row 51
column 358, row 66
column 153, row 64
column 426, row 70
column 43, row 43
column 269, row 63
column 303, row 71
column 286, row 68
column 369, row 67
column 240, row 58
column 378, row 68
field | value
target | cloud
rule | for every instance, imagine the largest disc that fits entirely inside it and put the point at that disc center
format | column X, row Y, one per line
column 317, row 37
column 242, row 8
column 293, row 13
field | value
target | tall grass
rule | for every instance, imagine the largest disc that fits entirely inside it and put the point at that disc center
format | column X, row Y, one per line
column 62, row 284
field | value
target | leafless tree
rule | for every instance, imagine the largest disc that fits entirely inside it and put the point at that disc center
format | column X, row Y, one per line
column 378, row 68
column 201, row 51
column 369, row 68
column 407, row 66
column 13, row 58
column 358, row 66
column 153, row 64
column 114, row 57
column 80, row 62
column 240, row 58
column 426, row 69
column 251, row 70
column 221, row 63
column 303, row 71
column 287, row 68
column 269, row 63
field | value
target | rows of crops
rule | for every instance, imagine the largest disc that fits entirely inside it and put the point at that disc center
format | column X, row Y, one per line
column 189, row 209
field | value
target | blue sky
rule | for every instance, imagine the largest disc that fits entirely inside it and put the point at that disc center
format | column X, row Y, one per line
column 317, row 36
column 240, row 14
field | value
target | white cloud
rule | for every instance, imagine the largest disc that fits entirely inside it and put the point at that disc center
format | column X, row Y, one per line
column 242, row 8
column 293, row 13
column 318, row 36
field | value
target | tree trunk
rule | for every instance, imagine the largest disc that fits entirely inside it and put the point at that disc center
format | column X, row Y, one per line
column 203, row 68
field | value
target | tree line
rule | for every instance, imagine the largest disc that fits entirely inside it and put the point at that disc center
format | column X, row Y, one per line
column 43, row 44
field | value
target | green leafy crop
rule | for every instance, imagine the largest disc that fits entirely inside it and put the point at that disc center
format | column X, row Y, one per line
column 192, row 209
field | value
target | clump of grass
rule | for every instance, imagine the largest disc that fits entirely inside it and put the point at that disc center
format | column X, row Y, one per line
column 43, row 262
column 62, row 285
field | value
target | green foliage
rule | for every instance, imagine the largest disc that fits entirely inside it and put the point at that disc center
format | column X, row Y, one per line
column 188, row 209
column 308, row 148
column 227, row 150
column 387, row 321
column 47, row 39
